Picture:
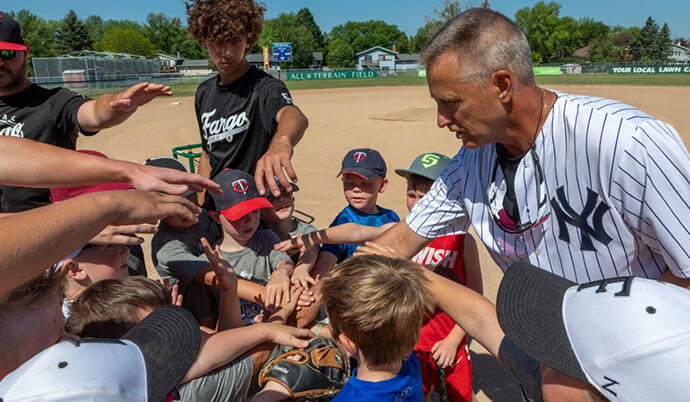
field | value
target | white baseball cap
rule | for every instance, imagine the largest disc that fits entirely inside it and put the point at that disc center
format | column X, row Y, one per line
column 144, row 365
column 628, row 337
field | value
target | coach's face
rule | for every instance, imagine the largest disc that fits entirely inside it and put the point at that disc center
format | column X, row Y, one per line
column 471, row 110
column 13, row 71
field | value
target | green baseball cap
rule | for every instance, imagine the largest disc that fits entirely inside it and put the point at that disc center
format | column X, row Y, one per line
column 428, row 165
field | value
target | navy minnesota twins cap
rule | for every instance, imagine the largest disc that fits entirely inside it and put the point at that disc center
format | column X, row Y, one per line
column 428, row 166
column 240, row 195
column 10, row 34
column 364, row 162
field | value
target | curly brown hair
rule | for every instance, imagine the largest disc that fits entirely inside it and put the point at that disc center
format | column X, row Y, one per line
column 225, row 21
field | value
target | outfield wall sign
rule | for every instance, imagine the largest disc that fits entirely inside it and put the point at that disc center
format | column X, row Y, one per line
column 282, row 51
column 668, row 69
column 331, row 75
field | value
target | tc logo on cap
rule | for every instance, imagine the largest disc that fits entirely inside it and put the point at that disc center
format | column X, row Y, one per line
column 429, row 160
column 240, row 186
column 359, row 156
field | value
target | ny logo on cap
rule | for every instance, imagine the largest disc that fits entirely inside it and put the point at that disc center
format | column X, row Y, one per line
column 240, row 186
column 359, row 156
column 429, row 160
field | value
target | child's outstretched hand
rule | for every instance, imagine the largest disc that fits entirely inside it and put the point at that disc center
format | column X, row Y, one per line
column 288, row 335
column 277, row 288
column 225, row 276
column 444, row 352
column 300, row 276
column 303, row 242
column 175, row 295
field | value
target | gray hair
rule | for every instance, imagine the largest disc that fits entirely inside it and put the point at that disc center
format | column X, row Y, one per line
column 489, row 39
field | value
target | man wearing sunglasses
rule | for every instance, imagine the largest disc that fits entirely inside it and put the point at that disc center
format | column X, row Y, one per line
column 583, row 187
column 52, row 116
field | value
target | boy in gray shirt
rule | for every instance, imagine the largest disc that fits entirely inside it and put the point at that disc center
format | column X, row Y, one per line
column 231, row 223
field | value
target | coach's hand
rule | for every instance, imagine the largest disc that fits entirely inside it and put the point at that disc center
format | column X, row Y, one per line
column 130, row 207
column 138, row 95
column 275, row 163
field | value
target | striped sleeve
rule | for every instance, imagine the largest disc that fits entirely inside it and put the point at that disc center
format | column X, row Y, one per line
column 655, row 175
column 441, row 211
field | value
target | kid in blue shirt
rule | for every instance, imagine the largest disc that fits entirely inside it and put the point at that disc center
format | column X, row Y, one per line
column 363, row 173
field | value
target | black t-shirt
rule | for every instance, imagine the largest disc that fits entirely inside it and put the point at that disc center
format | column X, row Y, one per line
column 44, row 115
column 237, row 120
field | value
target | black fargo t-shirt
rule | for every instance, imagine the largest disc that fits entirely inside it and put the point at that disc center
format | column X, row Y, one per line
column 237, row 120
column 44, row 115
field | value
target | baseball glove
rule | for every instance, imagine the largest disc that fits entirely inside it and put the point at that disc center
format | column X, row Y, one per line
column 317, row 373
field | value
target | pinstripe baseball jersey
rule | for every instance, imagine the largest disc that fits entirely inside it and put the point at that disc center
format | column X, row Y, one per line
column 617, row 183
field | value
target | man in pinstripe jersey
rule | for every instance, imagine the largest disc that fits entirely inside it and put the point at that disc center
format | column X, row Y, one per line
column 586, row 188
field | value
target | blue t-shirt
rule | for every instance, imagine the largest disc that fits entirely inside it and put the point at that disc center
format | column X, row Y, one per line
column 349, row 214
column 406, row 386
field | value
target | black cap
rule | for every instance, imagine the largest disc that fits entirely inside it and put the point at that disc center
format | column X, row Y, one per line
column 364, row 162
column 529, row 306
column 240, row 195
column 169, row 340
column 11, row 37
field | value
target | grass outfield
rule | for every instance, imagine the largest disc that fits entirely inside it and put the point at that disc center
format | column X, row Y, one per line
column 189, row 88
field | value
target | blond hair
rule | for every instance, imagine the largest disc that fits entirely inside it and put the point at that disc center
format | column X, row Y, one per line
column 379, row 303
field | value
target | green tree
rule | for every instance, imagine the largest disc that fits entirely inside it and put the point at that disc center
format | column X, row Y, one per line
column 39, row 35
column 367, row 34
column 663, row 49
column 72, row 35
column 644, row 42
column 164, row 32
column 485, row 4
column 125, row 40
column 306, row 19
column 96, row 27
column 285, row 28
column 549, row 35
column 592, row 31
column 340, row 54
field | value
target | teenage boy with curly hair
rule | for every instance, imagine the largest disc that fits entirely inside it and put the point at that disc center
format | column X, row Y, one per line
column 246, row 118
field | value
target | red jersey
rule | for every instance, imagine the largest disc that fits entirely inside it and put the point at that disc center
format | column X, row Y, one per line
column 444, row 255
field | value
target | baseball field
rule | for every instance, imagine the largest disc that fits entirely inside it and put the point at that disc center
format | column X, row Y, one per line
column 400, row 122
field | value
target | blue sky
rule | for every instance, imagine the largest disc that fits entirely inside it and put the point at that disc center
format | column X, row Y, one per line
column 408, row 15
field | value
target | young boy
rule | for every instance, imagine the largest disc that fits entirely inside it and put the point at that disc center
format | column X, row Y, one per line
column 280, row 220
column 442, row 344
column 93, row 263
column 376, row 306
column 231, row 222
column 243, row 113
column 363, row 172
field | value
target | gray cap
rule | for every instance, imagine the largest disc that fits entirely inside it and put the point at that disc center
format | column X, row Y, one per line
column 428, row 165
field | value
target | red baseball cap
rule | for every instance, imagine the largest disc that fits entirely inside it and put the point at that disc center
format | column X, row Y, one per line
column 64, row 193
column 240, row 195
column 11, row 37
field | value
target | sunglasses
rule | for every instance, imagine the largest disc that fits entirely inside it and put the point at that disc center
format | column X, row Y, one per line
column 500, row 216
column 8, row 54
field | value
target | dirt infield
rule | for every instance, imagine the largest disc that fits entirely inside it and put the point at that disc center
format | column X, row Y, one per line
column 398, row 121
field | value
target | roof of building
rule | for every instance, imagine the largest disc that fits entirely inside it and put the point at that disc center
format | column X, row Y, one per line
column 681, row 47
column 376, row 48
column 408, row 56
column 194, row 63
